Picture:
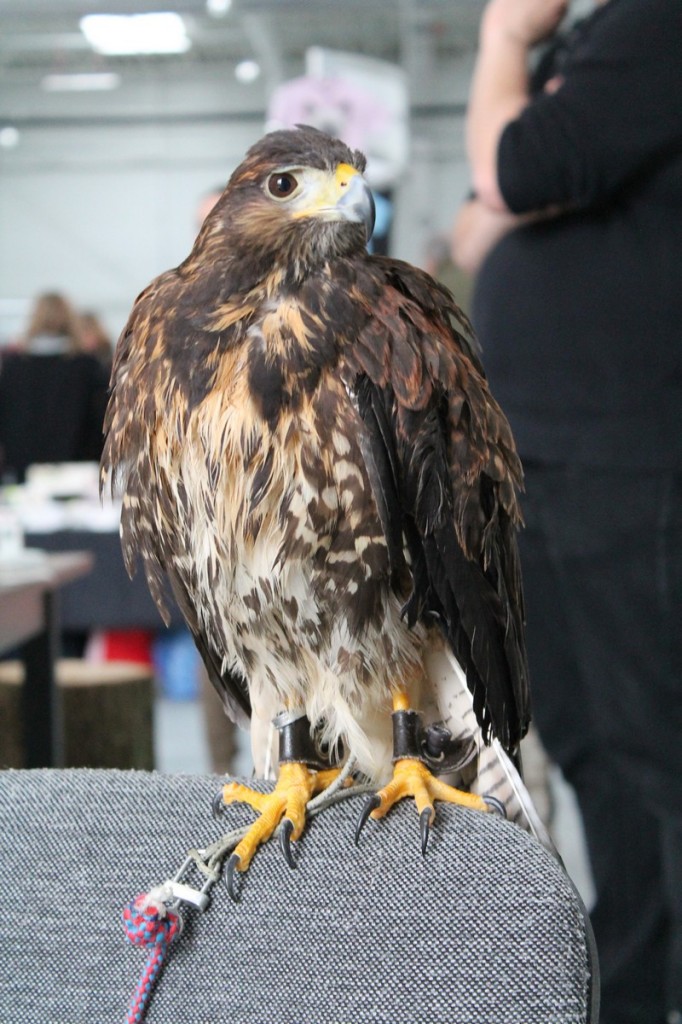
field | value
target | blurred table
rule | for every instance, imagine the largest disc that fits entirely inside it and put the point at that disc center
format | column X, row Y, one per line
column 59, row 509
column 28, row 624
column 107, row 598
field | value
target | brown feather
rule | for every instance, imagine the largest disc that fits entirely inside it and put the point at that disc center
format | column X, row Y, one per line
column 308, row 445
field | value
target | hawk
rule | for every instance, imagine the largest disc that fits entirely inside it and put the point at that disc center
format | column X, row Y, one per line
column 313, row 466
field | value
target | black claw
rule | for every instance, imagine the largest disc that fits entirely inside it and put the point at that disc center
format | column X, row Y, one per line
column 285, row 841
column 230, row 869
column 217, row 805
column 495, row 805
column 425, row 828
column 370, row 805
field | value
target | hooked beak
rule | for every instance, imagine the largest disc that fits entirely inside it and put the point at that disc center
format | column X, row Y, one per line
column 357, row 203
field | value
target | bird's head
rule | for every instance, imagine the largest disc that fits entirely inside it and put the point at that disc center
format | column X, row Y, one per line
column 299, row 199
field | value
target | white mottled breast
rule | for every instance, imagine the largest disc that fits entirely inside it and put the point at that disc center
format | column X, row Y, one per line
column 263, row 566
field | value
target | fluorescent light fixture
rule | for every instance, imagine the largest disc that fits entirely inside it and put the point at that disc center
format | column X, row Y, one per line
column 88, row 82
column 218, row 8
column 9, row 137
column 125, row 34
column 247, row 71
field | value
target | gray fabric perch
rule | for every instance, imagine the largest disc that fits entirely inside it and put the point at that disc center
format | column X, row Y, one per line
column 486, row 929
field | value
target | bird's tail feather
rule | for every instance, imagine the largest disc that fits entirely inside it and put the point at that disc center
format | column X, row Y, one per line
column 495, row 774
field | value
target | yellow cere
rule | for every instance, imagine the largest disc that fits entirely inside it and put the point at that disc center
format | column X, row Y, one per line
column 344, row 173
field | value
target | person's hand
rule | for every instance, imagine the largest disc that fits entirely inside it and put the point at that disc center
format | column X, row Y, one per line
column 476, row 231
column 500, row 84
column 526, row 22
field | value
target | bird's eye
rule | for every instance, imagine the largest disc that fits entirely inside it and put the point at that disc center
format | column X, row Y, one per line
column 282, row 185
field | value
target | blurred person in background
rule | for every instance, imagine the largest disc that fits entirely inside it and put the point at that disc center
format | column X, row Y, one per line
column 52, row 394
column 95, row 339
column 438, row 262
column 206, row 204
column 576, row 226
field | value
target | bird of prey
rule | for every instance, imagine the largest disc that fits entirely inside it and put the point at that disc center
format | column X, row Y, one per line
column 312, row 464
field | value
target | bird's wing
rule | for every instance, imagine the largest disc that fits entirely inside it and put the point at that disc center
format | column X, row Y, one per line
column 444, row 472
column 151, row 399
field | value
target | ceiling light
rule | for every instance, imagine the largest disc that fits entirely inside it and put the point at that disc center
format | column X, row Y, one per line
column 9, row 137
column 218, row 8
column 247, row 71
column 162, row 32
column 90, row 82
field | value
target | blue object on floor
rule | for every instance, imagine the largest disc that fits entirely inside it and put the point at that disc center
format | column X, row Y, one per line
column 176, row 661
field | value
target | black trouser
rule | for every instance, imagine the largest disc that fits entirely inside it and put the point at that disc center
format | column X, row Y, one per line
column 602, row 564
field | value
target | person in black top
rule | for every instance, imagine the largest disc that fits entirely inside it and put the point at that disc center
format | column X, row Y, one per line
column 578, row 306
column 52, row 395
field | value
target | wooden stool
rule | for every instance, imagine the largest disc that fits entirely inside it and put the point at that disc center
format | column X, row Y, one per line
column 107, row 713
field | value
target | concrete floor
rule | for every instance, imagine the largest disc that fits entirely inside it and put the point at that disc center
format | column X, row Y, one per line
column 181, row 746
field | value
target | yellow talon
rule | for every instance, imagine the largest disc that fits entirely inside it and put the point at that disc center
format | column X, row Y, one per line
column 413, row 778
column 296, row 784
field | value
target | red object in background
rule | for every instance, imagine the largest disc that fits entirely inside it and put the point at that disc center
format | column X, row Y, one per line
column 127, row 645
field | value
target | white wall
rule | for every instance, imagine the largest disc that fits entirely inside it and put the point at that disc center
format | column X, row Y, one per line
column 101, row 193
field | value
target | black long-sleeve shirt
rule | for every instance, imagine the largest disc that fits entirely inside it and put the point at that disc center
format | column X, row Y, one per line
column 580, row 317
